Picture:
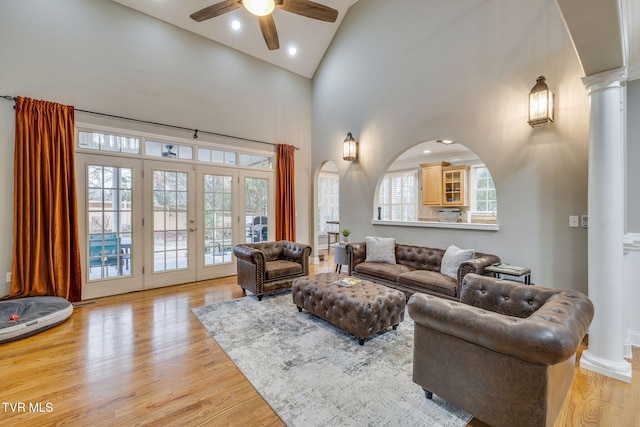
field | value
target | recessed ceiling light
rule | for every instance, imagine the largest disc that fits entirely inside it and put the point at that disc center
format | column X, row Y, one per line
column 235, row 24
column 293, row 50
column 426, row 151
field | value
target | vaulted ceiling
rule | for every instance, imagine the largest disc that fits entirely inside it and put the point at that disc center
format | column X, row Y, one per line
column 310, row 37
column 602, row 40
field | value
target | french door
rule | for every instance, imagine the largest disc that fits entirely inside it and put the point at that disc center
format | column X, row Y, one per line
column 110, row 223
column 169, row 223
column 150, row 223
column 217, row 224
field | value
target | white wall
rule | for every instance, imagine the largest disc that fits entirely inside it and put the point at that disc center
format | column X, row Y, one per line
column 396, row 76
column 631, row 287
column 98, row 55
column 632, row 255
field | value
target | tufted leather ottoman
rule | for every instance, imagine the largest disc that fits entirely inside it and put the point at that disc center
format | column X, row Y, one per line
column 363, row 309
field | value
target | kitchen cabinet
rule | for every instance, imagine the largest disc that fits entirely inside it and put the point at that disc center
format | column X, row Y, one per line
column 432, row 186
column 454, row 185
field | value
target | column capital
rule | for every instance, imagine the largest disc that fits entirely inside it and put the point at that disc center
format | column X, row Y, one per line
column 605, row 80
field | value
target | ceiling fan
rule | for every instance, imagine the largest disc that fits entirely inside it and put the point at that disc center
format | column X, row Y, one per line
column 263, row 9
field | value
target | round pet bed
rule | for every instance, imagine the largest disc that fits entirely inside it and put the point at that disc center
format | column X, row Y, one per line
column 34, row 314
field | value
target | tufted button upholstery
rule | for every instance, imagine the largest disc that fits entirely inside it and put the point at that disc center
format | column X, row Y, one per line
column 268, row 266
column 533, row 323
column 417, row 269
column 504, row 353
column 363, row 309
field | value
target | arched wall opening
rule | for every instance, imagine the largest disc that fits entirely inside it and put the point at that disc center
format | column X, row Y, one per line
column 436, row 181
column 326, row 216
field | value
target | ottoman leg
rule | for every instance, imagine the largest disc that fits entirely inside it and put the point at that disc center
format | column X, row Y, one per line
column 361, row 341
column 299, row 309
column 395, row 327
column 428, row 394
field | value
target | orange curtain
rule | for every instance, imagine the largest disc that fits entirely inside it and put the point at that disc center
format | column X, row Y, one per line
column 285, row 194
column 46, row 255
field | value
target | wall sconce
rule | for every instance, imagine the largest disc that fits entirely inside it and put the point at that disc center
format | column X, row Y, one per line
column 350, row 148
column 540, row 104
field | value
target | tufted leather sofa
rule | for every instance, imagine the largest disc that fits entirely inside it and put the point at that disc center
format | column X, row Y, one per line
column 505, row 353
column 269, row 266
column 417, row 269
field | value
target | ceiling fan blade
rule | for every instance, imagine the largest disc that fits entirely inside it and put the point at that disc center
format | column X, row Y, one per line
column 215, row 10
column 310, row 9
column 269, row 32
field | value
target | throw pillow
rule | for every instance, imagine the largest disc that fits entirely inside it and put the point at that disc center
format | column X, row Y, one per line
column 452, row 258
column 381, row 249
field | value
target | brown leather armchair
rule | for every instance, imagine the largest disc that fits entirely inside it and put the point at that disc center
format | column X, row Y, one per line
column 505, row 353
column 269, row 266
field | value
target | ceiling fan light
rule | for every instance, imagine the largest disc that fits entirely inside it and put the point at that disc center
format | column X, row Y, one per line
column 259, row 7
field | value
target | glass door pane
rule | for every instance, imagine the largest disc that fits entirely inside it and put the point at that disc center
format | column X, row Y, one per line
column 109, row 241
column 218, row 223
column 170, row 220
column 256, row 197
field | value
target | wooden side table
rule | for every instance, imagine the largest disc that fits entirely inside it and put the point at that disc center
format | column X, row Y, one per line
column 501, row 270
column 340, row 256
column 331, row 234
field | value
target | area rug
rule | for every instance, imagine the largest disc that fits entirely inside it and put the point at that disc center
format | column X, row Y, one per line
column 314, row 374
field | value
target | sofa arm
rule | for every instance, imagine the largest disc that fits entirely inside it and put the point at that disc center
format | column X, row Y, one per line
column 297, row 252
column 549, row 336
column 475, row 265
column 357, row 253
column 250, row 255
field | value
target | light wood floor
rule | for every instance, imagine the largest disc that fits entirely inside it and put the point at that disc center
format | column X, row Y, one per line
column 144, row 359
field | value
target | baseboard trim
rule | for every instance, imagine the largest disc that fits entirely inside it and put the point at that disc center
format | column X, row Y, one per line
column 633, row 338
column 616, row 370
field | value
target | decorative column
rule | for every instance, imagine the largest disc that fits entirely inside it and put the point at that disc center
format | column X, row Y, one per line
column 605, row 354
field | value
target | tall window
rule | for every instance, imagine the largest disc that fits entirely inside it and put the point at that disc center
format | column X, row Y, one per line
column 483, row 195
column 397, row 199
column 328, row 200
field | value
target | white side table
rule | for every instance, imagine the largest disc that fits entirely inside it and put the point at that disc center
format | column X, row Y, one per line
column 340, row 256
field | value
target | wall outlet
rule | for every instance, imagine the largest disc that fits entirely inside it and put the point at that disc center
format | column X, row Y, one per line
column 585, row 221
column 573, row 221
column 8, row 277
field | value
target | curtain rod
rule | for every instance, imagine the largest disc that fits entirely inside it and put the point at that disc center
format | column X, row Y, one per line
column 195, row 131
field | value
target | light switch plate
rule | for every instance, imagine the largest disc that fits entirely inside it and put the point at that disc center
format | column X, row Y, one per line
column 573, row 221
